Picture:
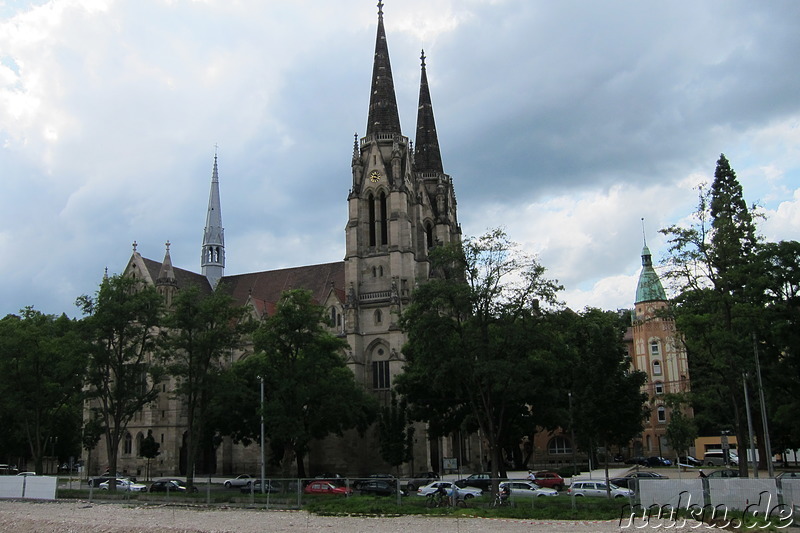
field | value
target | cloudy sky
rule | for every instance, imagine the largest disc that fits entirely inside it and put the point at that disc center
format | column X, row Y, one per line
column 563, row 122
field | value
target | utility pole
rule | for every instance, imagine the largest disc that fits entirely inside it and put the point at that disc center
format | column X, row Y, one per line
column 767, row 445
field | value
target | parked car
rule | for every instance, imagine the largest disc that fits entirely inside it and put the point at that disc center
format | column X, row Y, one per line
column 724, row 473
column 270, row 486
column 637, row 460
column 464, row 492
column 549, row 480
column 242, row 480
column 481, row 481
column 389, row 478
column 658, row 461
column 526, row 489
column 626, row 480
column 96, row 481
column 170, row 485
column 423, row 478
column 688, row 460
column 124, row 484
column 717, row 458
column 26, row 474
column 379, row 487
column 326, row 487
column 597, row 488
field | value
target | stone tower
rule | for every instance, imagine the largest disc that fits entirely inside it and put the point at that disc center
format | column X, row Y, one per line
column 212, row 261
column 400, row 205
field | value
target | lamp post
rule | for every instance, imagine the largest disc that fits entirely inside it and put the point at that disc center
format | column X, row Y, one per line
column 263, row 472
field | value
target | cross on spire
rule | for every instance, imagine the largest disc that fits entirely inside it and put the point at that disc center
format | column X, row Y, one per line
column 380, row 8
column 134, row 246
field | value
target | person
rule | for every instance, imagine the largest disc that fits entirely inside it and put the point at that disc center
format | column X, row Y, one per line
column 531, row 476
column 702, row 474
column 440, row 493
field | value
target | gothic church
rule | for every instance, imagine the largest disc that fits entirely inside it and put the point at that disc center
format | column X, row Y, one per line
column 400, row 205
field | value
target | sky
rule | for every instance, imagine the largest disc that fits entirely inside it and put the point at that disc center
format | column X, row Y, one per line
column 564, row 123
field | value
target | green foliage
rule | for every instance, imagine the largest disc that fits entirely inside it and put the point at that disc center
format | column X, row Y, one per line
column 681, row 430
column 309, row 391
column 395, row 432
column 475, row 355
column 608, row 402
column 42, row 366
column 200, row 330
column 122, row 375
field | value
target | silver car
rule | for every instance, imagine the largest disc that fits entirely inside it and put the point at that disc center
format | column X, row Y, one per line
column 526, row 489
column 598, row 488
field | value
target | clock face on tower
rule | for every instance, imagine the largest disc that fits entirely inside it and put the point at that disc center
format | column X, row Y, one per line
column 374, row 176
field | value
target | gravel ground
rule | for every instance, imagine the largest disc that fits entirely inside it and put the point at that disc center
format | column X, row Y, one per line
column 85, row 517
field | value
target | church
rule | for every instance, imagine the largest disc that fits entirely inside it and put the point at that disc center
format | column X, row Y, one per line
column 400, row 205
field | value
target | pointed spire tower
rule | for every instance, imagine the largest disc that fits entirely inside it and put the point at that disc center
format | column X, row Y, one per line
column 427, row 157
column 166, row 283
column 649, row 288
column 383, row 115
column 213, row 258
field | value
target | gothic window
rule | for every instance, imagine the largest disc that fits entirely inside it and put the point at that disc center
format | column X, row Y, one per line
column 656, row 368
column 380, row 271
column 559, row 446
column 378, row 316
column 659, row 387
column 429, row 235
column 380, row 375
column 139, row 439
column 333, row 316
column 128, row 444
column 384, row 220
column 662, row 415
column 371, row 209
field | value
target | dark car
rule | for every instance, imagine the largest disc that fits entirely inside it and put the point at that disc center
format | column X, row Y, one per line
column 170, row 485
column 627, row 480
column 421, row 479
column 657, row 461
column 637, row 460
column 255, row 487
column 378, row 487
column 688, row 460
column 481, row 481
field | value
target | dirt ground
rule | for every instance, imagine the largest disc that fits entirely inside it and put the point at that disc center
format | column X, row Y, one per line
column 86, row 517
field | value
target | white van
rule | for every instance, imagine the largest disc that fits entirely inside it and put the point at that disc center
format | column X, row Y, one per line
column 717, row 458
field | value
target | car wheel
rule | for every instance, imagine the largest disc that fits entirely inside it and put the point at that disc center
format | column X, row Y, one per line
column 469, row 496
column 411, row 487
column 710, row 463
column 248, row 484
column 579, row 495
column 619, row 496
column 227, row 484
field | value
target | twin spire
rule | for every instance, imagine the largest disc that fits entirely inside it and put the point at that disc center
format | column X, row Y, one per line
column 383, row 116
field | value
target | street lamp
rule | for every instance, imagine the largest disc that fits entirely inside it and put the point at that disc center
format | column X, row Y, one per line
column 263, row 472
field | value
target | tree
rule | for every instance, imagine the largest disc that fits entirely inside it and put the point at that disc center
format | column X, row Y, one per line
column 395, row 432
column 150, row 449
column 712, row 265
column 123, row 372
column 681, row 430
column 42, row 366
column 609, row 404
column 474, row 352
column 309, row 391
column 199, row 331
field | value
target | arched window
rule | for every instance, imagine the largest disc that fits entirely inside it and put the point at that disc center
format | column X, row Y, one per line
column 139, row 439
column 559, row 446
column 662, row 415
column 371, row 209
column 384, row 220
column 128, row 444
column 333, row 316
column 656, row 368
column 429, row 235
column 378, row 316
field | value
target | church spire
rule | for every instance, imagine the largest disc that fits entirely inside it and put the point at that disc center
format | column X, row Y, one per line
column 649, row 287
column 383, row 115
column 213, row 258
column 427, row 157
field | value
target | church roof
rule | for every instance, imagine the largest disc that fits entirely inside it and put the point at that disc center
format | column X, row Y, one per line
column 649, row 287
column 267, row 286
column 427, row 157
column 183, row 278
column 383, row 115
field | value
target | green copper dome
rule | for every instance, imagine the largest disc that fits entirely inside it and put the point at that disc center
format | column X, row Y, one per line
column 649, row 287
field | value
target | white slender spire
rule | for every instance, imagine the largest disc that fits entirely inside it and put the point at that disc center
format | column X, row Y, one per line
column 213, row 258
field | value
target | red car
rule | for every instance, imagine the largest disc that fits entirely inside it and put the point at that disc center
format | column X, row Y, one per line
column 550, row 480
column 326, row 487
